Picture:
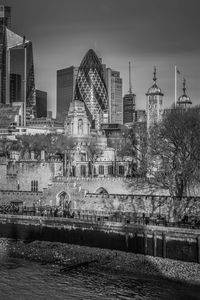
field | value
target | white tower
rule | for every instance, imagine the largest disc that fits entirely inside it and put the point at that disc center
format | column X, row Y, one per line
column 154, row 103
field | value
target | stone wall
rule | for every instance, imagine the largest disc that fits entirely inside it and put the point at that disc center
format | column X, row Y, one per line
column 19, row 175
column 28, row 198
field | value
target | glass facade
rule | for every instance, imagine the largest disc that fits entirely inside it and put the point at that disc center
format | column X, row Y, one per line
column 13, row 64
column 91, row 89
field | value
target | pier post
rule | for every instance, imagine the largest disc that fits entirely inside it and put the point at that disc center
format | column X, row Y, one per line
column 164, row 245
column 145, row 243
column 154, row 243
column 198, row 249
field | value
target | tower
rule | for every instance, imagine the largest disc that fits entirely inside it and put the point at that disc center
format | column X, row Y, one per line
column 115, row 104
column 129, row 103
column 66, row 80
column 154, row 103
column 91, row 89
column 16, row 57
column 184, row 101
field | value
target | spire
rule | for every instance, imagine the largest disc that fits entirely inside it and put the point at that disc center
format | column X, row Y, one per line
column 184, row 86
column 154, row 75
column 130, row 85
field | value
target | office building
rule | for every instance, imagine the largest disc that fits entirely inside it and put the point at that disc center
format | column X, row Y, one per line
column 91, row 89
column 129, row 108
column 16, row 57
column 115, row 104
column 15, row 88
column 41, row 104
column 66, row 79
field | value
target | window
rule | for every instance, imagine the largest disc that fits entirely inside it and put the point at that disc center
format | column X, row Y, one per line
column 83, row 170
column 34, row 186
column 101, row 170
column 110, row 170
column 121, row 170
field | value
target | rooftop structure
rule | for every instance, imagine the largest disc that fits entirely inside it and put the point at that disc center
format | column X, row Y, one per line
column 91, row 89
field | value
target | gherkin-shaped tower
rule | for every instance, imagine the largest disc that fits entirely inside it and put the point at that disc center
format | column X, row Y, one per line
column 91, row 89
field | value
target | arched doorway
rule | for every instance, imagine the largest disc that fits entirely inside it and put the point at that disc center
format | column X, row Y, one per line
column 101, row 191
column 63, row 200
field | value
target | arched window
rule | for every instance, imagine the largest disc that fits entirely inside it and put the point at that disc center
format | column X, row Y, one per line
column 83, row 170
column 121, row 170
column 101, row 170
column 34, row 186
column 80, row 126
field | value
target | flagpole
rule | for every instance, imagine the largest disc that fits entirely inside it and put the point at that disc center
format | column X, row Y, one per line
column 175, row 98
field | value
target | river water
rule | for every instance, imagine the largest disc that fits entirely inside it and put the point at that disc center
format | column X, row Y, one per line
column 21, row 279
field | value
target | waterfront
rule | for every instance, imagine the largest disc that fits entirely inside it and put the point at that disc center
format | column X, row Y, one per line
column 113, row 275
column 21, row 279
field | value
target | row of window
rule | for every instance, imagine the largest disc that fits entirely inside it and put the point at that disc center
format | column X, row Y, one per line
column 34, row 186
column 102, row 170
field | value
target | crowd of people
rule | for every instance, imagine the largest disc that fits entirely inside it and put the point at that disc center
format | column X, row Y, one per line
column 63, row 212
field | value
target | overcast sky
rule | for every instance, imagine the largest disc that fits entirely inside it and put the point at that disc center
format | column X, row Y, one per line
column 148, row 33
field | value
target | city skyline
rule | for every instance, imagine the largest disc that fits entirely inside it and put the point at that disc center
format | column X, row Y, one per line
column 147, row 33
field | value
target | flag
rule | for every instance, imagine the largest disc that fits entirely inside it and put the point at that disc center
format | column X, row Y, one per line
column 178, row 72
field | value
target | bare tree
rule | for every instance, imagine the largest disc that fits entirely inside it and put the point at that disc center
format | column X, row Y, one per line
column 174, row 154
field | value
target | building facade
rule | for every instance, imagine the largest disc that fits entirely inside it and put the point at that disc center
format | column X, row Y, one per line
column 91, row 89
column 115, row 103
column 66, row 79
column 16, row 57
column 129, row 108
column 154, row 103
column 41, row 104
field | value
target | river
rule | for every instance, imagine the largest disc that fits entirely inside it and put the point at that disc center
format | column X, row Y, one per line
column 21, row 279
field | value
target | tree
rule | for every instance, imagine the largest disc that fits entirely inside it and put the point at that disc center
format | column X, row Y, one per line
column 174, row 153
column 94, row 152
column 132, row 142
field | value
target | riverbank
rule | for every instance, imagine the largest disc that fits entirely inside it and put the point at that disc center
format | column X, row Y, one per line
column 72, row 256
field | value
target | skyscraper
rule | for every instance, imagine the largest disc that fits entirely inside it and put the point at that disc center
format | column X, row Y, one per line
column 154, row 103
column 66, row 79
column 16, row 57
column 15, row 88
column 91, row 89
column 41, row 104
column 115, row 104
column 129, row 104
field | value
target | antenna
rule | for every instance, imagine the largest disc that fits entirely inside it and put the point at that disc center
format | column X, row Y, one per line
column 130, row 86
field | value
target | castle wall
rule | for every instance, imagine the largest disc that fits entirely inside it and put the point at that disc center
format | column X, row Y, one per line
column 20, row 175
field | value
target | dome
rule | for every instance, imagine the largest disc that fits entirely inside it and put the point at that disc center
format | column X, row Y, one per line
column 154, row 89
column 184, row 100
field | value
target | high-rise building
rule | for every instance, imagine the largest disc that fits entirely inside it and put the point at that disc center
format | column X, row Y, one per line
column 115, row 104
column 66, row 79
column 16, row 57
column 154, row 103
column 41, row 104
column 15, row 88
column 129, row 108
column 91, row 89
column 129, row 104
column 184, row 101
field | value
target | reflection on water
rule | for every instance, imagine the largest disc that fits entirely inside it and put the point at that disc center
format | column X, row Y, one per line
column 21, row 279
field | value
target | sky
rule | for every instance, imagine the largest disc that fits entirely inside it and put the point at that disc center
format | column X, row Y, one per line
column 148, row 33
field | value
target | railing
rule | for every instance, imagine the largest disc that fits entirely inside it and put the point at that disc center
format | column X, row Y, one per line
column 100, row 216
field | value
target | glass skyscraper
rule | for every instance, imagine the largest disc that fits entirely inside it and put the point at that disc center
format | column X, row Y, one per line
column 16, row 60
column 91, row 89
